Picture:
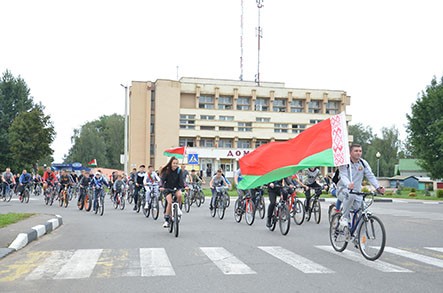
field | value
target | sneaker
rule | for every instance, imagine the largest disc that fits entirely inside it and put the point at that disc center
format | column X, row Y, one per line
column 268, row 223
column 343, row 223
column 135, row 207
column 166, row 224
column 180, row 212
column 146, row 206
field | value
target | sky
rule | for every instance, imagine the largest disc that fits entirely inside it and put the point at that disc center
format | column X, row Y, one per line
column 75, row 54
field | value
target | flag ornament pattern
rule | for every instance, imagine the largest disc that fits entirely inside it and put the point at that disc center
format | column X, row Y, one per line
column 323, row 144
column 93, row 163
column 175, row 152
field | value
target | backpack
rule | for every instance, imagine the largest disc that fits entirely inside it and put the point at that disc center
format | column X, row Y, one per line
column 336, row 176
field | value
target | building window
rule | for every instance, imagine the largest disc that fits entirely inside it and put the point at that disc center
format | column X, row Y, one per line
column 281, row 128
column 260, row 142
column 315, row 121
column 244, row 103
column 186, row 141
column 225, row 143
column 226, row 118
column 279, row 105
column 244, row 143
column 207, row 142
column 297, row 128
column 262, row 119
column 206, row 102
column 206, row 127
column 297, row 106
column 332, row 108
column 314, row 106
column 262, row 104
column 226, row 128
column 207, row 117
column 225, row 103
column 244, row 126
column 187, row 121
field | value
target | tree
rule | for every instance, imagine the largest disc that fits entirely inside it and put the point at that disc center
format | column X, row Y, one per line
column 14, row 99
column 30, row 136
column 100, row 139
column 361, row 135
column 425, row 126
column 388, row 146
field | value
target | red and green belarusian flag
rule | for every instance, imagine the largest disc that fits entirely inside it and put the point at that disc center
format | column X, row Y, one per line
column 323, row 144
column 175, row 152
column 92, row 163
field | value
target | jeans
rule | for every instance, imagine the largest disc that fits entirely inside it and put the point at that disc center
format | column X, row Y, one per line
column 273, row 193
column 352, row 202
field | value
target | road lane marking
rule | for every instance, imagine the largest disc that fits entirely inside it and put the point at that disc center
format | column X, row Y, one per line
column 226, row 262
column 22, row 268
column 80, row 265
column 51, row 265
column 378, row 264
column 439, row 249
column 155, row 262
column 415, row 256
column 299, row 262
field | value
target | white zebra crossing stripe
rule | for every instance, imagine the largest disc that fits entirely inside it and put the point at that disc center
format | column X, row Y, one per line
column 226, row 262
column 155, row 262
column 378, row 265
column 299, row 262
column 415, row 256
column 80, row 265
column 439, row 249
column 51, row 266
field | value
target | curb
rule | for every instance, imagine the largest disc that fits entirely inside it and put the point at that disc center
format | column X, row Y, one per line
column 36, row 232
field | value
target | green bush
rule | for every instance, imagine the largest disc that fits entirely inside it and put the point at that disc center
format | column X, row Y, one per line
column 412, row 194
column 398, row 191
column 389, row 193
column 440, row 193
column 365, row 189
column 413, row 190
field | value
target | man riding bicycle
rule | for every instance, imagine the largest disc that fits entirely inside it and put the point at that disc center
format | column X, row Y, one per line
column 65, row 181
column 139, row 180
column 351, row 178
column 24, row 180
column 216, row 181
column 49, row 178
column 276, row 189
column 152, row 180
column 7, row 180
column 311, row 175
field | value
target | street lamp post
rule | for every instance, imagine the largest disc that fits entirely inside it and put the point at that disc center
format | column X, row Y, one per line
column 126, row 130
column 378, row 155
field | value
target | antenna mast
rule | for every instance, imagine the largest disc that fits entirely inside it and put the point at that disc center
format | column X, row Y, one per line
column 241, row 42
column 259, row 36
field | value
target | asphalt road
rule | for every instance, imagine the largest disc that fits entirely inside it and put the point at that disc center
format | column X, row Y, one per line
column 125, row 252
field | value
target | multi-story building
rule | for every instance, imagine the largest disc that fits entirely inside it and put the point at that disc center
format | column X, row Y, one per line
column 220, row 120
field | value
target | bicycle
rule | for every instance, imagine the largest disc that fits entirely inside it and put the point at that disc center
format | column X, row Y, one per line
column 245, row 205
column 174, row 220
column 260, row 205
column 281, row 215
column 313, row 206
column 99, row 204
column 26, row 193
column 49, row 195
column 130, row 193
column 119, row 200
column 186, row 201
column 63, row 198
column 295, row 207
column 8, row 192
column 366, row 231
column 153, row 201
column 85, row 200
column 220, row 202
column 194, row 195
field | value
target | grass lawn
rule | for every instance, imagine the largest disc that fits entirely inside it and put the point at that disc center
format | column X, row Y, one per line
column 11, row 218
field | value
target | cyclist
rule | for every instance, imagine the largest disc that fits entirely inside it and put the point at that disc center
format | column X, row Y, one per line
column 97, row 182
column 118, row 186
column 351, row 178
column 83, row 181
column 64, row 181
column 275, row 189
column 311, row 174
column 139, row 180
column 49, row 178
column 185, row 174
column 217, row 180
column 24, row 180
column 237, row 178
column 7, row 179
column 150, row 182
column 171, row 179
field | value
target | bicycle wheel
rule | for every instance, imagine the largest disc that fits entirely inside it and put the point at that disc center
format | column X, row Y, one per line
column 9, row 195
column 371, row 237
column 187, row 203
column 60, row 199
column 316, row 209
column 47, row 199
column 96, row 206
column 262, row 208
column 115, row 202
column 309, row 211
column 198, row 200
column 130, row 198
column 221, row 208
column 238, row 213
column 284, row 219
column 88, row 202
column 155, row 208
column 122, row 202
column 26, row 196
column 214, row 208
column 249, row 212
column 337, row 237
column 146, row 209
column 202, row 196
column 299, row 212
column 101, row 205
column 331, row 211
column 81, row 203
column 66, row 201
column 176, row 220
column 274, row 220
column 227, row 200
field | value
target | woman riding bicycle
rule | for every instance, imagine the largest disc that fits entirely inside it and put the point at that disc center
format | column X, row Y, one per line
column 275, row 189
column 171, row 179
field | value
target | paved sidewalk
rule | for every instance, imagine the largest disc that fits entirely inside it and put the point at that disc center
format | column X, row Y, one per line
column 18, row 235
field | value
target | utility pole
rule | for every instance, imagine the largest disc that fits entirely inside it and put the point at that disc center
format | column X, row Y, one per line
column 259, row 36
column 126, row 130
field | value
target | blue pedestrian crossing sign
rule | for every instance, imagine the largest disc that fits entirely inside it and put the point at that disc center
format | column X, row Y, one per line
column 193, row 159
